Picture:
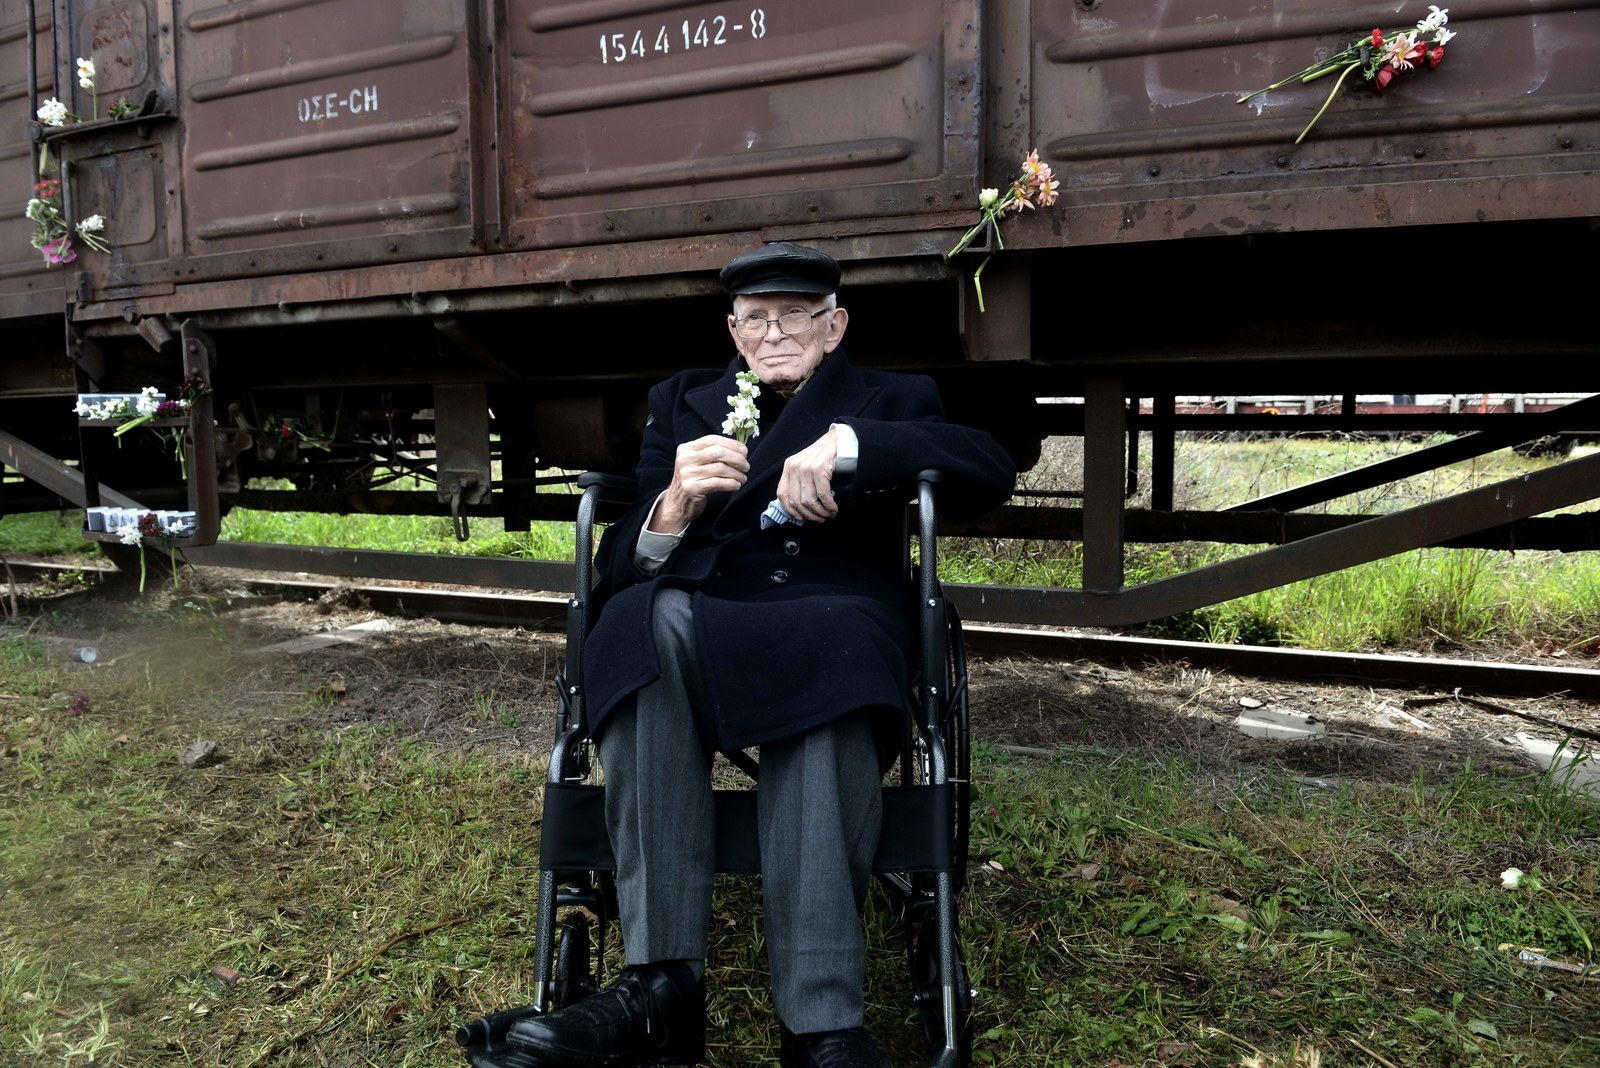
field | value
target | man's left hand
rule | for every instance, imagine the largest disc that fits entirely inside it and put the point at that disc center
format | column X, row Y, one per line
column 806, row 489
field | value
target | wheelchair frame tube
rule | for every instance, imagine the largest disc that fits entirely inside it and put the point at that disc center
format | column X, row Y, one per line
column 572, row 723
column 935, row 678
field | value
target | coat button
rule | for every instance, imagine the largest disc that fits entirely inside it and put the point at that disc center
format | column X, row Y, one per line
column 780, row 576
column 791, row 547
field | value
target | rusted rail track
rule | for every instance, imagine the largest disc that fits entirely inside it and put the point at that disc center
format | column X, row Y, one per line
column 309, row 573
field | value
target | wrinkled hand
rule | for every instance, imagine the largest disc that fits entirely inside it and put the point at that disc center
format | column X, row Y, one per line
column 806, row 489
column 712, row 464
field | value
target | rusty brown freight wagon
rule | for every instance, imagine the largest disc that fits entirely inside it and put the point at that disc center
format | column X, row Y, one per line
column 460, row 239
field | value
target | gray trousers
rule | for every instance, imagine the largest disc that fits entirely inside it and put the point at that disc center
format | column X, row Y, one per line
column 818, row 814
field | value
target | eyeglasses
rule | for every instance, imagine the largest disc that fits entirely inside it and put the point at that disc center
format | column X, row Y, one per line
column 794, row 322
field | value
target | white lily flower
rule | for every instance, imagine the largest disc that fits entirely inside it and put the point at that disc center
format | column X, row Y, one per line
column 53, row 112
column 1443, row 37
column 1511, row 878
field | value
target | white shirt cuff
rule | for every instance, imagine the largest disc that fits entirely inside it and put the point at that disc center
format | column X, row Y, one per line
column 653, row 549
column 848, row 449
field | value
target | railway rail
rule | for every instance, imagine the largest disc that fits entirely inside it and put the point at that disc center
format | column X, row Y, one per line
column 313, row 572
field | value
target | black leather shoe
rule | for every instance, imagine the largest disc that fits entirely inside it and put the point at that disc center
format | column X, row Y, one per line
column 830, row 1049
column 652, row 1014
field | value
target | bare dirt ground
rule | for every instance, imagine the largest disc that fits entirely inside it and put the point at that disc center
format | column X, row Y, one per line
column 241, row 667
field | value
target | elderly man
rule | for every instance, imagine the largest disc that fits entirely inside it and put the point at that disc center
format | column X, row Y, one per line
column 755, row 599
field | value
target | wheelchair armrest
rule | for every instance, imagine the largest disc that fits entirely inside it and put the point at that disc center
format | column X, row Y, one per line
column 619, row 488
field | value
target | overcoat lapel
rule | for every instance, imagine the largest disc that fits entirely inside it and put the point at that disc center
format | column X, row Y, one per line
column 709, row 403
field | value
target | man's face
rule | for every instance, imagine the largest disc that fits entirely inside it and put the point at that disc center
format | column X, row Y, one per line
column 780, row 359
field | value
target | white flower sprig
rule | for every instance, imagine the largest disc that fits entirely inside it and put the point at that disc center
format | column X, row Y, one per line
column 743, row 421
column 54, row 113
column 86, row 81
column 105, row 411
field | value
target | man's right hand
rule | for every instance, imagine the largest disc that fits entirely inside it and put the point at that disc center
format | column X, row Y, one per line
column 712, row 464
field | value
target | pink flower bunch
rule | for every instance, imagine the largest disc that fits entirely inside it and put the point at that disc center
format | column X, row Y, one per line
column 52, row 235
column 1035, row 186
column 58, row 250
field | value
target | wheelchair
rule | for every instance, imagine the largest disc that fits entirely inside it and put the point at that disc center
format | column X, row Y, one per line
column 922, row 850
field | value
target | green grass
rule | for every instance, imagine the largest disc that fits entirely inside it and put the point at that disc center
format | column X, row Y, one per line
column 398, row 533
column 347, row 897
column 46, row 533
column 1249, row 916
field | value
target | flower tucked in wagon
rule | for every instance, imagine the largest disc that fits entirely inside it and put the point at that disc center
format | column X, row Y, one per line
column 53, row 233
column 1380, row 57
column 160, row 527
column 1035, row 186
column 132, row 410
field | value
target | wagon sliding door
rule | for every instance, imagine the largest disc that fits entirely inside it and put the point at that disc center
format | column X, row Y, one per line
column 649, row 120
column 324, row 132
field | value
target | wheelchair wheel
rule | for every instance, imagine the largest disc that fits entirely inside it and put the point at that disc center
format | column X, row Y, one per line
column 958, row 736
column 930, row 995
column 574, row 976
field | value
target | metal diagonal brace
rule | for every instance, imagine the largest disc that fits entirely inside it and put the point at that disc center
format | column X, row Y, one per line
column 1429, row 458
column 33, row 463
column 1429, row 524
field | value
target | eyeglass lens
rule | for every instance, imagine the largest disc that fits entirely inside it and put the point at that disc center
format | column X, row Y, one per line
column 794, row 322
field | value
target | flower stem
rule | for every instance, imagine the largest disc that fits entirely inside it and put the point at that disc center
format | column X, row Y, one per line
column 1326, row 102
column 977, row 282
column 1316, row 70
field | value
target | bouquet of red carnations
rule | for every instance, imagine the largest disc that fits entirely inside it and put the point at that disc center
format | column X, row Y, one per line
column 1380, row 57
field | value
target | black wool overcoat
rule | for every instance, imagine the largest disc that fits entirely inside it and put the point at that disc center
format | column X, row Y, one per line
column 796, row 625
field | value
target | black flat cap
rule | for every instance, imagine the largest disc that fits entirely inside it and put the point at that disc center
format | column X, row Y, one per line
column 781, row 267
